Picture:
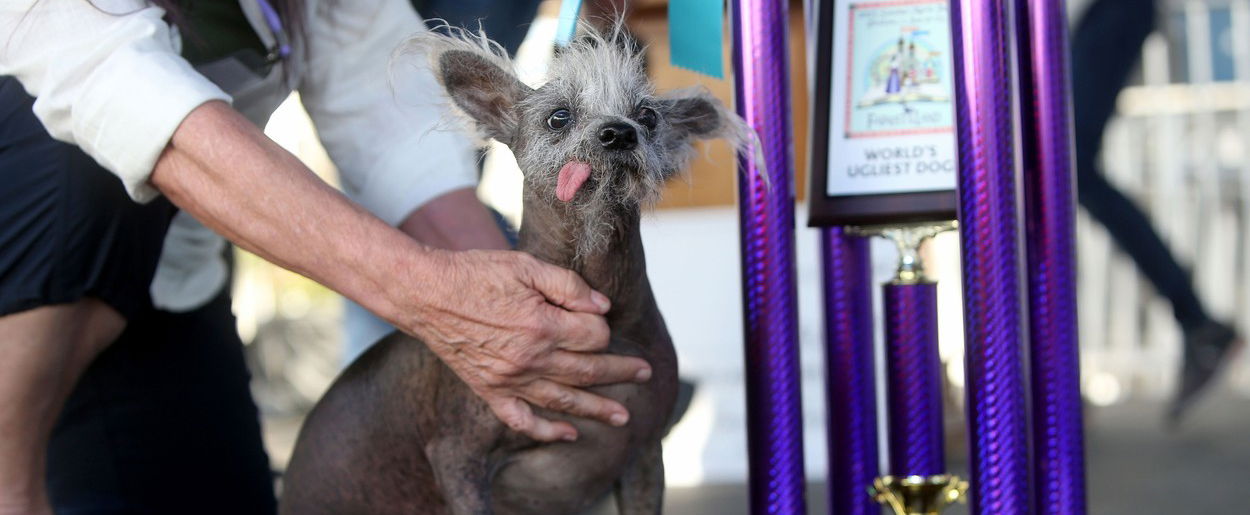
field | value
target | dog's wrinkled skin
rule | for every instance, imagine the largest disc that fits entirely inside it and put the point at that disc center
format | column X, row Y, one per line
column 398, row 432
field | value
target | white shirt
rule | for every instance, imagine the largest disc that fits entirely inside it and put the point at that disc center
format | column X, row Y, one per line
column 107, row 76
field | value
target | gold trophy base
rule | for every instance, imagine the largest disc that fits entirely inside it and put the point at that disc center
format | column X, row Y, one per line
column 918, row 495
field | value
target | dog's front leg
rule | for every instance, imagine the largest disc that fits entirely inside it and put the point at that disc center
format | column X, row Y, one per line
column 462, row 473
column 640, row 490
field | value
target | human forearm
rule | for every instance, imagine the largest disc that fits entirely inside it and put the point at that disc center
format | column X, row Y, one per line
column 271, row 204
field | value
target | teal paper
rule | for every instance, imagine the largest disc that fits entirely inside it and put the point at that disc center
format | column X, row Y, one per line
column 567, row 25
column 695, row 35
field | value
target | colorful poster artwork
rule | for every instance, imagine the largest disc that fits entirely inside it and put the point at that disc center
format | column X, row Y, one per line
column 892, row 106
column 899, row 78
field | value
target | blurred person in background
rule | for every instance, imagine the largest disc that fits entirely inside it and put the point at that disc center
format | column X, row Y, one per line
column 122, row 383
column 1106, row 46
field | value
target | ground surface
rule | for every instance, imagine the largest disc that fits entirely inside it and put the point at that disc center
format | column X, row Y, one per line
column 1135, row 467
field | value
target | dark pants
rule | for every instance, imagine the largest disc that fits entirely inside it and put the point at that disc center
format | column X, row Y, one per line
column 162, row 421
column 1105, row 48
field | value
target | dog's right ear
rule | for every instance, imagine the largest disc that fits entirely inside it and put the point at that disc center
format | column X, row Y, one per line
column 483, row 90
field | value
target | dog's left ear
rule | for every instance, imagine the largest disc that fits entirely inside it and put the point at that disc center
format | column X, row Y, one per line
column 484, row 90
column 697, row 114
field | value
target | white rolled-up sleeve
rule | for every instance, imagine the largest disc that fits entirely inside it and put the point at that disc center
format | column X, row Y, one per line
column 392, row 140
column 106, row 76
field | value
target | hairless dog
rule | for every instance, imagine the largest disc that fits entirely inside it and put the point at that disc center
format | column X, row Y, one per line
column 398, row 432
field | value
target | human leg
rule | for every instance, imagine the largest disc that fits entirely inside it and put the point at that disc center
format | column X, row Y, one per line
column 43, row 351
column 77, row 257
column 1105, row 49
column 69, row 240
column 1106, row 46
column 1134, row 233
column 1207, row 342
column 163, row 422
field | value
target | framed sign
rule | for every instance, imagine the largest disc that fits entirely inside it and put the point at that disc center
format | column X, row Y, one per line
column 883, row 126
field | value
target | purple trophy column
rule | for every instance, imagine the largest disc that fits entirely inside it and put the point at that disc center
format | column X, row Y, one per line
column 988, row 217
column 913, row 380
column 1050, row 209
column 774, row 407
column 851, row 402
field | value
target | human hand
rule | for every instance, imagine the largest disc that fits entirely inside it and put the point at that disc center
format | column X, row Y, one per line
column 519, row 331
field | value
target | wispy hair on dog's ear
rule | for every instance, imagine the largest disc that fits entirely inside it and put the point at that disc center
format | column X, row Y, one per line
column 697, row 114
column 476, row 74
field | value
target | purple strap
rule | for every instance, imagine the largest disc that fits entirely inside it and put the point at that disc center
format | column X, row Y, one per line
column 275, row 25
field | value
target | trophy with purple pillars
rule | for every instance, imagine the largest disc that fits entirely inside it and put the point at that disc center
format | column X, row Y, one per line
column 925, row 112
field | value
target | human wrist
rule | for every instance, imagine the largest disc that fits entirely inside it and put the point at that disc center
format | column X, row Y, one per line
column 401, row 279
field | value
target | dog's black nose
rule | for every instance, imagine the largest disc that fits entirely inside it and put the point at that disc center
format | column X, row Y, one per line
column 618, row 136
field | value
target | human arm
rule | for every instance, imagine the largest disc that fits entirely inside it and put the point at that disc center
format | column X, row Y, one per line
column 455, row 220
column 516, row 330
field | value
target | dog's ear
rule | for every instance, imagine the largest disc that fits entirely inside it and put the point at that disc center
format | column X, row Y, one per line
column 697, row 114
column 483, row 90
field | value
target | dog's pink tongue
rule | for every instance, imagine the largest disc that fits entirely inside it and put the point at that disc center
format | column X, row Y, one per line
column 572, row 175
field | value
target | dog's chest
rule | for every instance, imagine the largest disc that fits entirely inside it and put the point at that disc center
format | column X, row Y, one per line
column 567, row 477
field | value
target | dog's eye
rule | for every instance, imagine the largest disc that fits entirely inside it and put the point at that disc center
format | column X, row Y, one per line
column 559, row 119
column 648, row 118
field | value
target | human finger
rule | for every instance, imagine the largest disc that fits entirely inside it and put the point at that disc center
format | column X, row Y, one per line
column 579, row 332
column 580, row 403
column 565, row 288
column 582, row 369
column 518, row 416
